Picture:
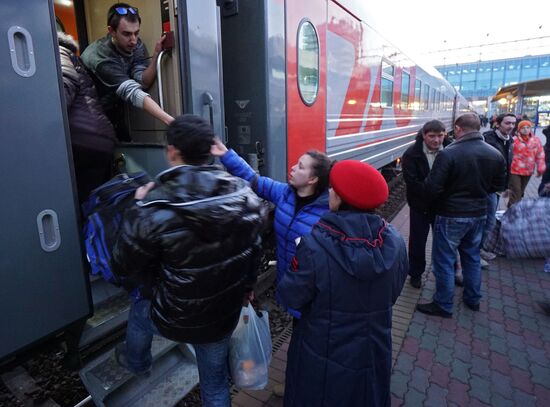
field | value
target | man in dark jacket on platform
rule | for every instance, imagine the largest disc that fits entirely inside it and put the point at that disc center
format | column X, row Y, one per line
column 199, row 226
column 92, row 134
column 462, row 176
column 501, row 139
column 417, row 162
column 344, row 279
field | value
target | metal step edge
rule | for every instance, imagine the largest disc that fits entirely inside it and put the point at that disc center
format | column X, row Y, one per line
column 115, row 375
column 91, row 335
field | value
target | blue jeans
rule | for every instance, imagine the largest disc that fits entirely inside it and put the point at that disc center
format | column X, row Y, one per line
column 450, row 235
column 212, row 358
column 492, row 205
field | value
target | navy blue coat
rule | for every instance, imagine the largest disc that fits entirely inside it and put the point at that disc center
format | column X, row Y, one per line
column 344, row 279
column 288, row 225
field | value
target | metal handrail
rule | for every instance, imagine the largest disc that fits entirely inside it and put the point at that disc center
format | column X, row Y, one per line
column 159, row 78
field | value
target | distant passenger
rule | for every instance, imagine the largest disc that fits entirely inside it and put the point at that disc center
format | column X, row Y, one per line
column 501, row 139
column 345, row 277
column 92, row 135
column 200, row 227
column 417, row 162
column 121, row 68
column 527, row 152
column 462, row 176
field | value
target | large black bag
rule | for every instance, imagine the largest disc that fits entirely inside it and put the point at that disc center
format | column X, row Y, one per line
column 104, row 211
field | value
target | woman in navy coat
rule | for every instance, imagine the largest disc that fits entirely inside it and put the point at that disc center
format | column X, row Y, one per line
column 344, row 279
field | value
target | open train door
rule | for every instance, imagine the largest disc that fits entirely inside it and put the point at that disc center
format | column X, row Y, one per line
column 190, row 82
column 43, row 285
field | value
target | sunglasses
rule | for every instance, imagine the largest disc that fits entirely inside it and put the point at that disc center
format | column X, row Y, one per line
column 122, row 11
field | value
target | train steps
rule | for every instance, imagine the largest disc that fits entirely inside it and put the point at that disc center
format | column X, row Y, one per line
column 111, row 308
column 174, row 374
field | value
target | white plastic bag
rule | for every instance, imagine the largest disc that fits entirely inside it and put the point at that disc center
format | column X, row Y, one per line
column 250, row 350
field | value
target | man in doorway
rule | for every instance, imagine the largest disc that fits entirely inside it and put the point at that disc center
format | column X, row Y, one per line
column 417, row 163
column 462, row 176
column 501, row 139
column 198, row 231
column 121, row 69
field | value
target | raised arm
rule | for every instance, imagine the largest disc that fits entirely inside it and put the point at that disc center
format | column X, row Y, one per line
column 265, row 187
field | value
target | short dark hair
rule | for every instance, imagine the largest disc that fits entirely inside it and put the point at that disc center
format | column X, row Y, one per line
column 433, row 126
column 193, row 137
column 501, row 117
column 321, row 169
column 468, row 121
column 113, row 18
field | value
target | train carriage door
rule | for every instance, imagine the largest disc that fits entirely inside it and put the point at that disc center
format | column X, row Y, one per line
column 43, row 283
column 188, row 75
column 306, row 24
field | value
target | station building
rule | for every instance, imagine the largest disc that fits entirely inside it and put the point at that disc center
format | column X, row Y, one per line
column 480, row 81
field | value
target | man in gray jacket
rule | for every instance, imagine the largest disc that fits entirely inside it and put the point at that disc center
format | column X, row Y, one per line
column 121, row 68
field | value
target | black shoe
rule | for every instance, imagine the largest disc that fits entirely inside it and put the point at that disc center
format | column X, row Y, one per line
column 432, row 308
column 545, row 306
column 473, row 307
column 416, row 282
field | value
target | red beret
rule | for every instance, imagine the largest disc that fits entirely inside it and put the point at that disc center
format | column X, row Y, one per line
column 359, row 184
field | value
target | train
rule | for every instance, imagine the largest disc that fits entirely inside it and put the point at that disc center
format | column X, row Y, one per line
column 274, row 78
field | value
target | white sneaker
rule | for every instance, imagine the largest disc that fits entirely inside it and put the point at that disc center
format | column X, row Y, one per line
column 484, row 264
column 485, row 255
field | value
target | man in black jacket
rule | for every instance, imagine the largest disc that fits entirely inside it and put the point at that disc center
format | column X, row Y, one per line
column 417, row 162
column 462, row 176
column 199, row 227
column 501, row 139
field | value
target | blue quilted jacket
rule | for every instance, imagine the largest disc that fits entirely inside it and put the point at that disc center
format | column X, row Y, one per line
column 288, row 226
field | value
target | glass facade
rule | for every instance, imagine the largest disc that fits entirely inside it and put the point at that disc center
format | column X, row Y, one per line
column 480, row 80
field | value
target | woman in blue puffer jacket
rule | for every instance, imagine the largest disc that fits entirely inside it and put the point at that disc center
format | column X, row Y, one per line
column 298, row 204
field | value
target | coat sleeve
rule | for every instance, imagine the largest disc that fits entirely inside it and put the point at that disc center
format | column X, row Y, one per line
column 402, row 270
column 499, row 180
column 265, row 187
column 297, row 286
column 136, row 247
column 437, row 178
column 540, row 157
column 410, row 174
column 70, row 79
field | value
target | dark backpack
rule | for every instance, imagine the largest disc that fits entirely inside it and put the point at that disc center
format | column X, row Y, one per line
column 104, row 211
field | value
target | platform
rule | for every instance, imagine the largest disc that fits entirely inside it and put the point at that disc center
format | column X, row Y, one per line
column 496, row 357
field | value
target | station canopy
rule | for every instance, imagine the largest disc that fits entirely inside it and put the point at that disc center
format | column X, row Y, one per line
column 539, row 87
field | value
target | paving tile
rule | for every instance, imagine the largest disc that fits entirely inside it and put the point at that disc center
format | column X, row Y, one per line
column 524, row 399
column 398, row 384
column 479, row 387
column 458, row 393
column 414, row 398
column 501, row 384
column 443, row 355
column 404, row 364
column 419, row 380
column 424, row 359
column 500, row 401
column 480, row 367
column 540, row 375
column 436, row 396
column 440, row 375
column 521, row 379
column 459, row 370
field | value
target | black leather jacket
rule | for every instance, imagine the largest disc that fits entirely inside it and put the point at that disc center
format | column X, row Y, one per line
column 200, row 227
column 462, row 176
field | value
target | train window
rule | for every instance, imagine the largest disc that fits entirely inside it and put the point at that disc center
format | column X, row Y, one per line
column 386, row 85
column 386, row 93
column 308, row 62
column 426, row 96
column 417, row 93
column 405, row 83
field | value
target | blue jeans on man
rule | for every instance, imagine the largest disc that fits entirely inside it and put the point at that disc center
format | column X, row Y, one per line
column 450, row 235
column 212, row 358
